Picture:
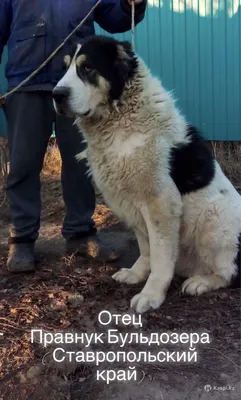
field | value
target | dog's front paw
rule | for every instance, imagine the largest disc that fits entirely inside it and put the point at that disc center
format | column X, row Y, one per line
column 127, row 276
column 143, row 302
column 195, row 285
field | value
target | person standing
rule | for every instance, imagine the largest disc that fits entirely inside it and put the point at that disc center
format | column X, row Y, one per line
column 32, row 32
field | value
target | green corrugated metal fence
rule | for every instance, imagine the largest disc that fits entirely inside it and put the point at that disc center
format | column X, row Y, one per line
column 194, row 47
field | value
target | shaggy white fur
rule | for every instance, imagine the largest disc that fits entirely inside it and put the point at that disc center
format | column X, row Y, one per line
column 195, row 235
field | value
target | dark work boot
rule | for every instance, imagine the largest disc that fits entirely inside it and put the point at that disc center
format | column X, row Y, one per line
column 91, row 248
column 21, row 257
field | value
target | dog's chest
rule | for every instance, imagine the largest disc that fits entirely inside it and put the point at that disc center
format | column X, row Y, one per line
column 117, row 166
column 111, row 173
column 116, row 171
column 115, row 184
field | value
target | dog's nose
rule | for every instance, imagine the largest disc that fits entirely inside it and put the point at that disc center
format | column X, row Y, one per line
column 60, row 94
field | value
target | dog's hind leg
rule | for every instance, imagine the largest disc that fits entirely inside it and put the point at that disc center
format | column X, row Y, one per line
column 199, row 284
column 140, row 270
column 224, row 270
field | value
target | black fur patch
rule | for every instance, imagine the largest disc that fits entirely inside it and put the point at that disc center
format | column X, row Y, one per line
column 192, row 165
column 236, row 280
column 103, row 58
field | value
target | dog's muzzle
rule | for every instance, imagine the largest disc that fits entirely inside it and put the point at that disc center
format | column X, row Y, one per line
column 60, row 96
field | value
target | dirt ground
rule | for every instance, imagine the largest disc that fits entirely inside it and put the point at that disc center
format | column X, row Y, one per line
column 44, row 299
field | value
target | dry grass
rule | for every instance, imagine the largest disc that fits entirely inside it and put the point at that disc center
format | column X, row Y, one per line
column 52, row 160
column 3, row 156
column 228, row 155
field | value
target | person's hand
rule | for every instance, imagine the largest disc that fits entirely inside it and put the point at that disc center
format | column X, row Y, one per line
column 135, row 1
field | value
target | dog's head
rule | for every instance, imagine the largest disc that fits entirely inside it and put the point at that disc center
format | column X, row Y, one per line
column 96, row 74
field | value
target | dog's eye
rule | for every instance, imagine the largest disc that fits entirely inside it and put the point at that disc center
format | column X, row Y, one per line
column 88, row 68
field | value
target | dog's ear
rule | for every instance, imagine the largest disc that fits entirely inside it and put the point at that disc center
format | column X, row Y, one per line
column 127, row 58
column 67, row 61
column 125, row 66
column 125, row 51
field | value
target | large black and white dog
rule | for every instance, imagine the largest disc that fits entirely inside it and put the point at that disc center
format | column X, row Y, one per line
column 154, row 170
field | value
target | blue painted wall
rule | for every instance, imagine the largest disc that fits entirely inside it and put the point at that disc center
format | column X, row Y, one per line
column 194, row 46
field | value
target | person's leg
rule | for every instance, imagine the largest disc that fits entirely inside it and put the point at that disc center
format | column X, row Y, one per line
column 78, row 192
column 79, row 196
column 30, row 118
